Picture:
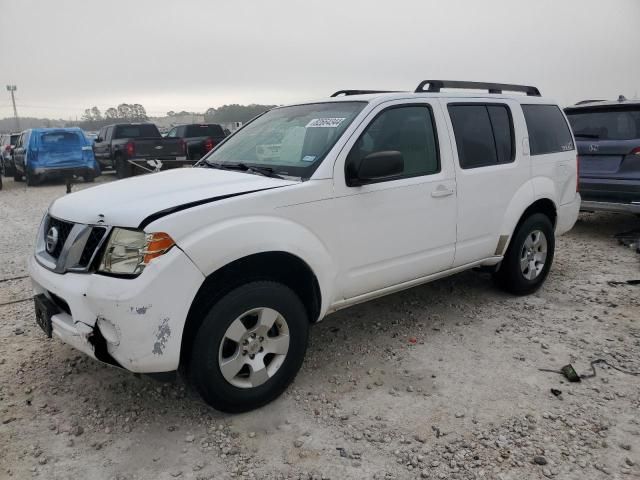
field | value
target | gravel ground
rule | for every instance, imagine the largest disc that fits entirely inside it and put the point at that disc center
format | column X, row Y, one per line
column 439, row 382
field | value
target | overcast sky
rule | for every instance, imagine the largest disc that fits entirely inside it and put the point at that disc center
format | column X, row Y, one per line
column 67, row 55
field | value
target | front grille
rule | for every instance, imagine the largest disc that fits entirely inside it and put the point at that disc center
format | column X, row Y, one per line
column 64, row 228
column 95, row 237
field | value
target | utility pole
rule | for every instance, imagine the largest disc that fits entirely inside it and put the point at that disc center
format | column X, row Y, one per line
column 12, row 89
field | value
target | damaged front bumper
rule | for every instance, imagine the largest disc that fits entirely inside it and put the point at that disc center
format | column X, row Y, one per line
column 134, row 323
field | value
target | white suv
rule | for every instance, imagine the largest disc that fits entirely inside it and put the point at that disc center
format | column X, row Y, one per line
column 219, row 270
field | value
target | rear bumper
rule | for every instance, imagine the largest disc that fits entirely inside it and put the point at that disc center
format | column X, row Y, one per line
column 609, row 190
column 595, row 206
column 47, row 172
column 568, row 215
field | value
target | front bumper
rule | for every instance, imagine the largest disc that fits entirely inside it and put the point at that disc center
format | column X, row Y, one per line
column 568, row 215
column 140, row 321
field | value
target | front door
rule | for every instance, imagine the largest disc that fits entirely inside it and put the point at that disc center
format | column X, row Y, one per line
column 402, row 228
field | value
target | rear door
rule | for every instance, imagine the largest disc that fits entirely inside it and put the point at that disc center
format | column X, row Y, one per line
column 608, row 141
column 490, row 169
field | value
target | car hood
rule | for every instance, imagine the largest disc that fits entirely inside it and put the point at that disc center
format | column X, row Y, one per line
column 127, row 203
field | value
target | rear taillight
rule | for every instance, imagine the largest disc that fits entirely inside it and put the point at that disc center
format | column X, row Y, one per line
column 577, row 173
column 208, row 144
column 183, row 146
column 635, row 151
column 131, row 149
column 8, row 148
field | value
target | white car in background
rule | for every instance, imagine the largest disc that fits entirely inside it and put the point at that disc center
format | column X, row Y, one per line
column 220, row 270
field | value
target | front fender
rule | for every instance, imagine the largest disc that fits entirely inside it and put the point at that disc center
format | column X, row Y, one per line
column 219, row 244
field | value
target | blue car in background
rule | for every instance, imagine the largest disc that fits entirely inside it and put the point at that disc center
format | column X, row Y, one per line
column 54, row 152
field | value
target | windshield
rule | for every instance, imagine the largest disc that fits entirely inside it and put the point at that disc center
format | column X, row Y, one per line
column 610, row 124
column 290, row 140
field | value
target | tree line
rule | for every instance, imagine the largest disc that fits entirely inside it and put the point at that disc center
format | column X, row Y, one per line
column 94, row 119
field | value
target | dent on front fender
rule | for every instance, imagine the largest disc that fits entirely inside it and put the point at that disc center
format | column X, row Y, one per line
column 142, row 319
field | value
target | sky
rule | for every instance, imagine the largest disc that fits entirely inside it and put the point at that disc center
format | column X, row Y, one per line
column 67, row 55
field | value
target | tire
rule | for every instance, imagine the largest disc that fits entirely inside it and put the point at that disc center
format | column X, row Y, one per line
column 123, row 168
column 89, row 177
column 17, row 176
column 32, row 179
column 8, row 169
column 528, row 260
column 246, row 390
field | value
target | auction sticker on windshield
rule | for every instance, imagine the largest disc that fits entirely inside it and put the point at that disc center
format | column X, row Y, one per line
column 324, row 122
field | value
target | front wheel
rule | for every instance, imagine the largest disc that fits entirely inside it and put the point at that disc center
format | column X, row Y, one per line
column 526, row 264
column 32, row 178
column 249, row 347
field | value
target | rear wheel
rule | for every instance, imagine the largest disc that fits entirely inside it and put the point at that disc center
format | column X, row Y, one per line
column 32, row 178
column 123, row 168
column 526, row 264
column 8, row 168
column 17, row 176
column 249, row 347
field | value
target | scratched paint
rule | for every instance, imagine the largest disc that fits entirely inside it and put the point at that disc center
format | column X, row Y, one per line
column 162, row 337
column 140, row 310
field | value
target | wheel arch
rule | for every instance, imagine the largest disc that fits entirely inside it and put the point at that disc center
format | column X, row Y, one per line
column 280, row 266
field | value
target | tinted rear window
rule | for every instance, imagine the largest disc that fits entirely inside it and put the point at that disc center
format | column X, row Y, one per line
column 606, row 124
column 484, row 134
column 60, row 138
column 548, row 130
column 136, row 131
column 14, row 139
column 204, row 131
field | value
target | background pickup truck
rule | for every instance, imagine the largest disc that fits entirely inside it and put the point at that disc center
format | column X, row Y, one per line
column 198, row 138
column 135, row 148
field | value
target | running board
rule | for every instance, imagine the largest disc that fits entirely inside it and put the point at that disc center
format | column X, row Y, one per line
column 365, row 297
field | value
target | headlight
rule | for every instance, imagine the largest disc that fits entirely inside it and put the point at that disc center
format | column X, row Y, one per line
column 129, row 251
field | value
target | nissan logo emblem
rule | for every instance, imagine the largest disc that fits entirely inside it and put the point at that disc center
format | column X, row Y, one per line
column 52, row 239
column 593, row 147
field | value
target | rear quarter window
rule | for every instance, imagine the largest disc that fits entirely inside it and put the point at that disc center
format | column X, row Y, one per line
column 137, row 131
column 548, row 130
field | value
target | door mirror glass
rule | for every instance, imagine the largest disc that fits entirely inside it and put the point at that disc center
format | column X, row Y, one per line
column 376, row 167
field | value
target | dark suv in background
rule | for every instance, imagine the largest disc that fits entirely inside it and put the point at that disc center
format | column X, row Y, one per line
column 198, row 138
column 7, row 144
column 608, row 139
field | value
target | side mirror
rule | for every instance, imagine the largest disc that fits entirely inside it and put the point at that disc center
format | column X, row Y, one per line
column 375, row 167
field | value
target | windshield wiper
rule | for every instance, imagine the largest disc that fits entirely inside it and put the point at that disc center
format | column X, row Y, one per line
column 587, row 135
column 265, row 171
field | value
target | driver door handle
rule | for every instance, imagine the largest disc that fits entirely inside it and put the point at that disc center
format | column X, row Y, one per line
column 442, row 191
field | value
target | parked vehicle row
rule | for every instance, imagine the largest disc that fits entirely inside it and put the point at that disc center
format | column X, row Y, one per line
column 128, row 148
column 220, row 270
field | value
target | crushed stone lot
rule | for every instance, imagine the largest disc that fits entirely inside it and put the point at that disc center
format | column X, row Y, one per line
column 437, row 382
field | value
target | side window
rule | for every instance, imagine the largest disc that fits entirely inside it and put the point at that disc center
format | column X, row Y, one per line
column 548, row 130
column 107, row 133
column 409, row 130
column 172, row 133
column 484, row 134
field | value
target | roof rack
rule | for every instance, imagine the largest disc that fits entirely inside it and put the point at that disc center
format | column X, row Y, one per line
column 436, row 85
column 346, row 93
column 582, row 102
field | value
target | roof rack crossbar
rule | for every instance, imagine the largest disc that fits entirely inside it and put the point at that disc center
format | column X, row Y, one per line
column 437, row 85
column 358, row 92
